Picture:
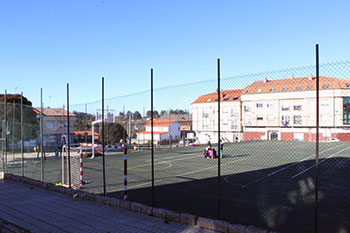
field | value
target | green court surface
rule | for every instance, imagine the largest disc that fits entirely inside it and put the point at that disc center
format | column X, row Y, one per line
column 268, row 184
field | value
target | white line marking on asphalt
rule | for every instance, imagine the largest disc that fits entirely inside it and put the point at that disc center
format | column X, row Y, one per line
column 284, row 168
column 322, row 161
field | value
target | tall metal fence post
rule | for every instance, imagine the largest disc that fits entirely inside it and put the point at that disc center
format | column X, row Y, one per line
column 68, row 132
column 103, row 137
column 317, row 138
column 22, row 141
column 6, row 129
column 219, row 159
column 41, row 136
column 13, row 131
column 152, row 147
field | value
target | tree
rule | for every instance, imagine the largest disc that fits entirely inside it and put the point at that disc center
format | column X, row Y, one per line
column 13, row 113
column 83, row 121
column 137, row 115
column 128, row 113
column 155, row 114
column 113, row 133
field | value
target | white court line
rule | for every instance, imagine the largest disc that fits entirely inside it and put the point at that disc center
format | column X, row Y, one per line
column 208, row 168
column 323, row 160
column 283, row 168
column 176, row 156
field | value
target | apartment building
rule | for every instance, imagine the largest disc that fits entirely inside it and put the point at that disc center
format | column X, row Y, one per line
column 283, row 109
column 205, row 116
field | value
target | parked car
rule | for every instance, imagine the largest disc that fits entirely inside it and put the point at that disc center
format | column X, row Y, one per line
column 332, row 140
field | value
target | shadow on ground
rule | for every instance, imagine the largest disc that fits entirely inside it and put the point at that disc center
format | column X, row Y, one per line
column 263, row 198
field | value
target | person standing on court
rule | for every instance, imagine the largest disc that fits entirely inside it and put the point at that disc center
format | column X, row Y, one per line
column 209, row 141
column 221, row 148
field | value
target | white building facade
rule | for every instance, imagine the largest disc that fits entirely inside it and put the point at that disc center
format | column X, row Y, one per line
column 205, row 117
column 162, row 130
column 286, row 109
column 283, row 109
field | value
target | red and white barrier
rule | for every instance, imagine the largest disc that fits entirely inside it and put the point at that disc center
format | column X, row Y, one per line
column 98, row 145
column 81, row 167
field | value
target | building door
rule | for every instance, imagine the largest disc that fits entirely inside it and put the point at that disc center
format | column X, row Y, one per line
column 273, row 136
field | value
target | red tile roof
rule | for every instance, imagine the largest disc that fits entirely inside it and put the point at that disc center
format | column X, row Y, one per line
column 160, row 123
column 148, row 132
column 226, row 96
column 185, row 123
column 89, row 133
column 54, row 112
column 294, row 84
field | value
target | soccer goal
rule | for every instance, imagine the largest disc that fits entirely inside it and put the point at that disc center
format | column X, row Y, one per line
column 75, row 179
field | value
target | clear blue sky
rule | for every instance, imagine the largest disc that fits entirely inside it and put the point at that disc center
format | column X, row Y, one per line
column 47, row 44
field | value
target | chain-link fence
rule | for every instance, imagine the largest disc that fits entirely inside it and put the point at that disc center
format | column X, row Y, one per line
column 267, row 149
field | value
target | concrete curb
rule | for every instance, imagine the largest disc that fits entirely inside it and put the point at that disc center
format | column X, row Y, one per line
column 184, row 218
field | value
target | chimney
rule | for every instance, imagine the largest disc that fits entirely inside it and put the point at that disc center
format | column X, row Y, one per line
column 265, row 80
column 292, row 76
column 310, row 77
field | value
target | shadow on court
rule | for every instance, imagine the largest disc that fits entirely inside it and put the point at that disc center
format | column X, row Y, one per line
column 275, row 201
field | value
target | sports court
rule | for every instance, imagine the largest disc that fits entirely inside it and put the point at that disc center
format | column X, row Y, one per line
column 269, row 184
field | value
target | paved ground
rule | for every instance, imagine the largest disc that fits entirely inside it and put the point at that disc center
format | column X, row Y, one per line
column 29, row 209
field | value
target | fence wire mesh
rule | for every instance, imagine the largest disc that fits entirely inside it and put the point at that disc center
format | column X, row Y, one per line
column 253, row 164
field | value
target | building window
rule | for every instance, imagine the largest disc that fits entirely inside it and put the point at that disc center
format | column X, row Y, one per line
column 270, row 118
column 259, row 118
column 325, row 86
column 285, row 107
column 309, row 87
column 324, row 102
column 226, row 98
column 297, row 120
column 259, row 105
column 247, row 91
column 346, row 110
column 272, row 89
column 347, row 84
column 297, row 107
column 259, row 91
column 285, row 89
column 285, row 120
column 234, row 113
column 234, row 124
column 208, row 100
column 50, row 125
column 247, row 108
column 298, row 88
column 269, row 105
